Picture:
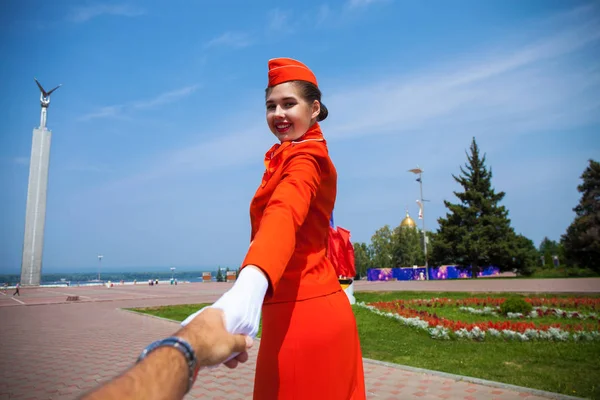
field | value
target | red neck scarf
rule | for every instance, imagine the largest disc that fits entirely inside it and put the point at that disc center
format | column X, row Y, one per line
column 274, row 156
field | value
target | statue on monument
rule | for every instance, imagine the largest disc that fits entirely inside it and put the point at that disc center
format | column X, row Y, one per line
column 45, row 96
column 45, row 101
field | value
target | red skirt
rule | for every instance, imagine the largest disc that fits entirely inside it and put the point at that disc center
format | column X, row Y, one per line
column 310, row 350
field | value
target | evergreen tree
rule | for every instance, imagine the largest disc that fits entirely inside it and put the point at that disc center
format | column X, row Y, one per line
column 582, row 239
column 476, row 231
column 220, row 275
column 407, row 247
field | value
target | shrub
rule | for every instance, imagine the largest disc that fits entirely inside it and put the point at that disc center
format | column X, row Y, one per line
column 581, row 272
column 563, row 272
column 515, row 305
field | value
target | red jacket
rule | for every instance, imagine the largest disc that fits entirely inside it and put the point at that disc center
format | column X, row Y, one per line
column 290, row 215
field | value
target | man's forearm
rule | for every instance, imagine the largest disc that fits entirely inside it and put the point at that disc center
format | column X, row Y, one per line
column 163, row 375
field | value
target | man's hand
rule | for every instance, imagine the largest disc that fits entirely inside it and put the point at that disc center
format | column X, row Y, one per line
column 211, row 341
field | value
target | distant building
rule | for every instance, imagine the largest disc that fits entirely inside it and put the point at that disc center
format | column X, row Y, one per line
column 408, row 222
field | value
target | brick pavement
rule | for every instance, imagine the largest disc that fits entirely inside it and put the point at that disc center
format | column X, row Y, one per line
column 57, row 350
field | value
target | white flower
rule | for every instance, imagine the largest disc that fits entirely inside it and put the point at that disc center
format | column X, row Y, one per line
column 532, row 333
column 477, row 311
column 514, row 315
column 439, row 332
column 494, row 332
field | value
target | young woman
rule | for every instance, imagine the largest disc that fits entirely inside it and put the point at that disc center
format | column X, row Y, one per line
column 309, row 347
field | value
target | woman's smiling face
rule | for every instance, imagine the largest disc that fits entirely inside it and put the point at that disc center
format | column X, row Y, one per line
column 288, row 115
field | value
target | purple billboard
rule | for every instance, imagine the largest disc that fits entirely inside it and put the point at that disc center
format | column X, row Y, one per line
column 435, row 273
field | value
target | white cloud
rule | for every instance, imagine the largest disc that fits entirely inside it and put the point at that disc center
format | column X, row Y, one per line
column 86, row 13
column 165, row 98
column 279, row 20
column 498, row 97
column 104, row 112
column 363, row 3
column 120, row 110
column 531, row 87
column 14, row 160
column 84, row 167
column 322, row 13
column 220, row 152
column 230, row 39
column 21, row 160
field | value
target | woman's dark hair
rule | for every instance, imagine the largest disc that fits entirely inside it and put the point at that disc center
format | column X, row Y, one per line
column 309, row 93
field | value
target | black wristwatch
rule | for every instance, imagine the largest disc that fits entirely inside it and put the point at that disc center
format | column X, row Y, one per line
column 184, row 347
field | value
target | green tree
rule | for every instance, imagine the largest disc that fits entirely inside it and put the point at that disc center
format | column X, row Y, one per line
column 431, row 253
column 548, row 249
column 582, row 239
column 476, row 231
column 407, row 247
column 362, row 259
column 524, row 255
column 220, row 277
column 382, row 247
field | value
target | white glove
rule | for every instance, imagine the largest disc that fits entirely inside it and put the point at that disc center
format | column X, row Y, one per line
column 242, row 303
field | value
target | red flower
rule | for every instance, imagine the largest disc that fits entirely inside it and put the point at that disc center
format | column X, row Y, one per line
column 405, row 309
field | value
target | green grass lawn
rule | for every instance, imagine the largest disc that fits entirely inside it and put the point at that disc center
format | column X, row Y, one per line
column 568, row 368
column 177, row 313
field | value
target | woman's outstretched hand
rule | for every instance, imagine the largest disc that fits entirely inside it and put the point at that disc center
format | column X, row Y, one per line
column 242, row 304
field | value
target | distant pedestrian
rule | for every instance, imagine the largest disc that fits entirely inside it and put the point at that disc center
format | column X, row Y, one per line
column 17, row 286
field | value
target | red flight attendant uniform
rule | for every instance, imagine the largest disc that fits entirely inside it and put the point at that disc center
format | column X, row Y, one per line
column 309, row 347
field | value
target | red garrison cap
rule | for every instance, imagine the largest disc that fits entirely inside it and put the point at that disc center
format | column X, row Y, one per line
column 286, row 69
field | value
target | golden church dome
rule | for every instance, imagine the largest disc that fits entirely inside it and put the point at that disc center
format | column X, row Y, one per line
column 408, row 222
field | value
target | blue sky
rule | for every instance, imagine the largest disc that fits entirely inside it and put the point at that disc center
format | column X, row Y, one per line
column 159, row 130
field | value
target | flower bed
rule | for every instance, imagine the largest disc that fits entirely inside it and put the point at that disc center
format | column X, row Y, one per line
column 536, row 313
column 439, row 327
column 578, row 303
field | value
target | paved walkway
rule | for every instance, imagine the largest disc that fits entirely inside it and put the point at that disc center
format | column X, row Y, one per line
column 53, row 349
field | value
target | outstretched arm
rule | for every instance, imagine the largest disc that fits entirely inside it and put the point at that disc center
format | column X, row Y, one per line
column 272, row 246
column 275, row 242
column 164, row 373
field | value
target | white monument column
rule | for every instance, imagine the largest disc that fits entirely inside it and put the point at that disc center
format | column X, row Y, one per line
column 35, row 212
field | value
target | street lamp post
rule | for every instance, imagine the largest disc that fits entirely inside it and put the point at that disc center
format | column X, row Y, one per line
column 99, row 264
column 418, row 171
